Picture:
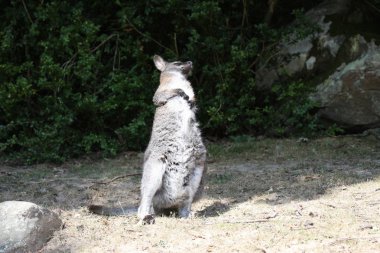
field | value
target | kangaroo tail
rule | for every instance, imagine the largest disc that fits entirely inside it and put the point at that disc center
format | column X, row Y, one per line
column 112, row 211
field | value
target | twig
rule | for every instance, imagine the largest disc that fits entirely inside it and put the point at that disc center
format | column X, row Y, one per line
column 116, row 53
column 104, row 42
column 268, row 17
column 52, row 180
column 175, row 44
column 146, row 36
column 298, row 229
column 372, row 6
column 27, row 12
column 352, row 239
column 217, row 61
column 265, row 219
column 116, row 178
column 329, row 205
column 375, row 203
column 264, row 48
column 268, row 60
column 238, row 222
column 245, row 15
column 64, row 65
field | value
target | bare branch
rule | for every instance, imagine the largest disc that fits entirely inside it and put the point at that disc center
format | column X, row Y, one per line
column 68, row 63
column 116, row 178
column 146, row 36
column 27, row 12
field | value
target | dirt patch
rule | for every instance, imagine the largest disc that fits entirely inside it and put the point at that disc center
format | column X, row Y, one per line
column 267, row 195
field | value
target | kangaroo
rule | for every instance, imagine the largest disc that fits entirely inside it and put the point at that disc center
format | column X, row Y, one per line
column 175, row 160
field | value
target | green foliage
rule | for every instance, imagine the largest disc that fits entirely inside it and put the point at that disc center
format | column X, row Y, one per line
column 76, row 76
column 288, row 110
column 334, row 130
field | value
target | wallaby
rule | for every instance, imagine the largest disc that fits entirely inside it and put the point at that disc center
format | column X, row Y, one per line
column 175, row 159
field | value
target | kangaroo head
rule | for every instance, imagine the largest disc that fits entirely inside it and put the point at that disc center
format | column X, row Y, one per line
column 180, row 67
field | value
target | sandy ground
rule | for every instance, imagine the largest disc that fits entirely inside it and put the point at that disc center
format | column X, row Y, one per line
column 268, row 195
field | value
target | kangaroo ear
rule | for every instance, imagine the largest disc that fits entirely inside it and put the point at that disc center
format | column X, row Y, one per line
column 159, row 62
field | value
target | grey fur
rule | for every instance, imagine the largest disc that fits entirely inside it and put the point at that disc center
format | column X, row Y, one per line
column 175, row 159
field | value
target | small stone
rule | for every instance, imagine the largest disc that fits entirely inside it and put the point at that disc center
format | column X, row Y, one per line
column 310, row 63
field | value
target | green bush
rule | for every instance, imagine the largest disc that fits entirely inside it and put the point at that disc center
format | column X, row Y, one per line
column 77, row 77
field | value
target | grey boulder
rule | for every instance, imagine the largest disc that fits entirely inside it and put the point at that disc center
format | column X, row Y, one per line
column 25, row 227
column 351, row 95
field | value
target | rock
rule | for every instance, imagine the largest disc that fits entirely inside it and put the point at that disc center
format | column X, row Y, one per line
column 351, row 95
column 328, row 8
column 354, row 47
column 374, row 132
column 295, row 57
column 331, row 43
column 295, row 65
column 338, row 60
column 310, row 63
column 25, row 227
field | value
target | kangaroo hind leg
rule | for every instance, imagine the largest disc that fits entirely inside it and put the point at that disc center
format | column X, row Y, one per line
column 151, row 182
